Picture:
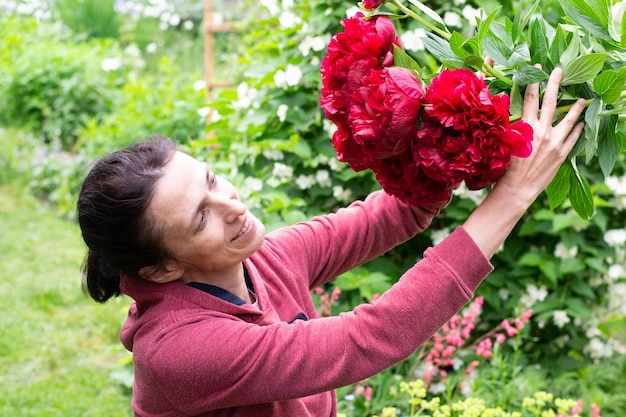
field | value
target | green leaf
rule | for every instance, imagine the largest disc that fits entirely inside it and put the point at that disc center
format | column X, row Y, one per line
column 485, row 25
column 517, row 101
column 538, row 41
column 456, row 45
column 610, row 84
column 474, row 61
column 520, row 21
column 609, row 145
column 558, row 189
column 440, row 49
column 495, row 48
column 550, row 272
column 571, row 52
column 529, row 74
column 519, row 56
column 559, row 44
column 577, row 308
column 582, row 69
column 580, row 195
column 592, row 126
column 404, row 60
column 591, row 15
column 580, row 287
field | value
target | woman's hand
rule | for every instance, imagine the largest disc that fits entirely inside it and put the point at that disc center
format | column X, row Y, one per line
column 492, row 222
column 527, row 177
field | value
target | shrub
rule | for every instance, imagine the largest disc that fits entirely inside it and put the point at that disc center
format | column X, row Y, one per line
column 53, row 87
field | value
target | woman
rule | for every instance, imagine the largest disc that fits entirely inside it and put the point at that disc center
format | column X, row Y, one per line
column 223, row 323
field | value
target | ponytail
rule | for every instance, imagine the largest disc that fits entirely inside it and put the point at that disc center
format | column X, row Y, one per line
column 100, row 280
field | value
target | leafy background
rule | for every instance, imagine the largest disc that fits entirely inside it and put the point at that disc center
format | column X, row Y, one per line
column 97, row 84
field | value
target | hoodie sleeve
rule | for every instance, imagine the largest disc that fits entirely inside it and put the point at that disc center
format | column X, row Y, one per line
column 202, row 362
column 327, row 246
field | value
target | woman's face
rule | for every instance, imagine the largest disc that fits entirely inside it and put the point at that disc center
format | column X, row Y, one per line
column 206, row 227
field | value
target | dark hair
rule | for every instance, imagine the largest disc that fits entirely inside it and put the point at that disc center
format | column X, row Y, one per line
column 112, row 214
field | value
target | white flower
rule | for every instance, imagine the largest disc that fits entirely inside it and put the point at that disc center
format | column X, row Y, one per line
column 352, row 11
column 412, row 40
column 272, row 6
column 199, row 85
column 111, row 64
column 470, row 14
column 315, row 43
column 282, row 170
column 132, row 50
column 188, row 25
column 204, row 112
column 438, row 235
column 597, row 349
column 273, row 154
column 151, row 47
column 288, row 20
column 560, row 318
column 304, row 182
column 289, row 77
column 617, row 185
column 329, row 127
column 254, row 184
column 437, row 388
column 452, row 19
column 323, row 178
column 615, row 237
column 533, row 295
column 341, row 194
column 245, row 96
column 616, row 271
column 288, row 4
column 281, row 112
column 562, row 252
column 463, row 192
column 596, row 281
column 503, row 293
column 617, row 299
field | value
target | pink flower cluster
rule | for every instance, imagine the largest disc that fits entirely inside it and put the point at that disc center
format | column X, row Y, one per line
column 453, row 337
column 420, row 141
column 578, row 409
column 327, row 301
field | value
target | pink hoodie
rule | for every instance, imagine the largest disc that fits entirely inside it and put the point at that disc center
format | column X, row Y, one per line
column 198, row 355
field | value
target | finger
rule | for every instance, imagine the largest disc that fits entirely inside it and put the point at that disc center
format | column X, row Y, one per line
column 530, row 106
column 572, row 115
column 548, row 105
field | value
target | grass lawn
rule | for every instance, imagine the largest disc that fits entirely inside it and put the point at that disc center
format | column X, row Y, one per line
column 58, row 349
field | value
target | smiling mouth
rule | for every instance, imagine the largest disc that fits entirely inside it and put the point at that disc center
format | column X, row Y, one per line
column 244, row 228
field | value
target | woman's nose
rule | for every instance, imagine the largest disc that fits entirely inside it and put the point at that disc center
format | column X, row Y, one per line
column 230, row 206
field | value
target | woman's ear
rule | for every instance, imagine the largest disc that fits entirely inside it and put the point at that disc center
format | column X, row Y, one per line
column 166, row 271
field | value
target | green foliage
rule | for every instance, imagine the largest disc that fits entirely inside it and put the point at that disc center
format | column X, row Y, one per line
column 94, row 18
column 163, row 101
column 53, row 87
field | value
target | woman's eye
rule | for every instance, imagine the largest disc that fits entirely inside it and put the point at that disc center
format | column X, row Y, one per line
column 202, row 220
column 213, row 179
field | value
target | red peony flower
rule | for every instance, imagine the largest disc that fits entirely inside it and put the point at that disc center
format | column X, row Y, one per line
column 363, row 46
column 401, row 177
column 465, row 133
column 372, row 4
column 384, row 113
